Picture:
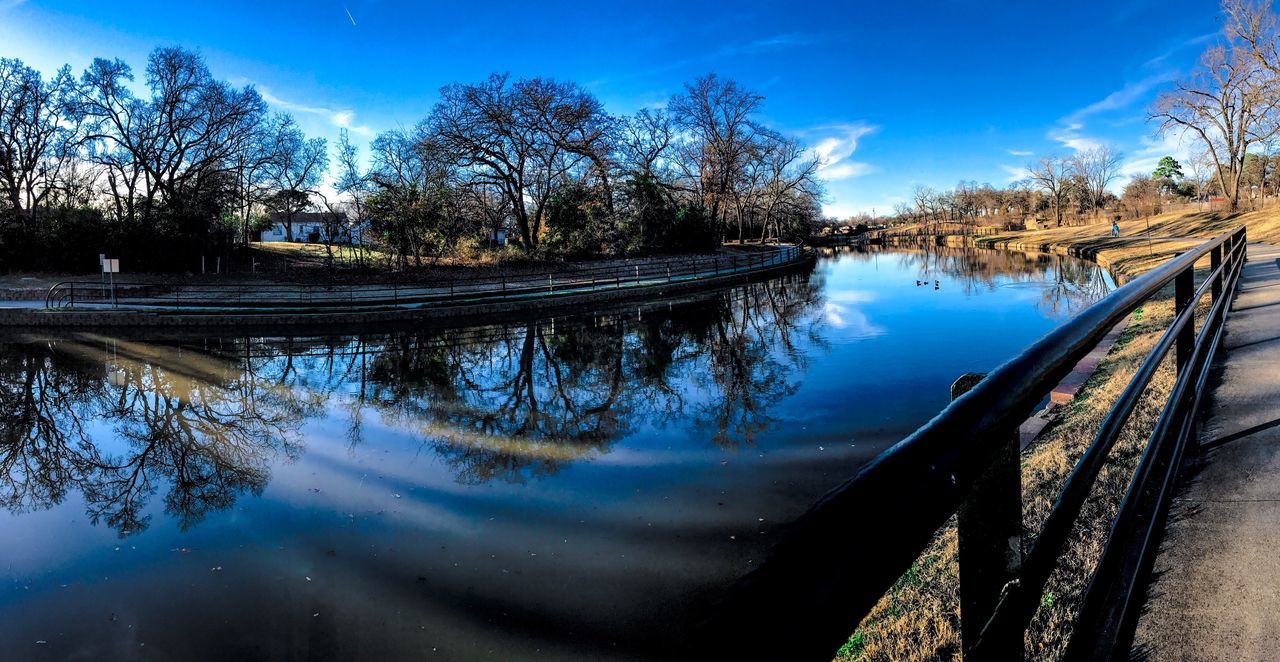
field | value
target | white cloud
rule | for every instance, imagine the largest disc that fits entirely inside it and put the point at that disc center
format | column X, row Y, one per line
column 846, row 170
column 1016, row 173
column 1070, row 136
column 834, row 150
column 1020, row 152
column 853, row 321
column 1186, row 43
column 343, row 119
column 1170, row 143
column 851, row 296
column 1122, row 97
column 1070, row 129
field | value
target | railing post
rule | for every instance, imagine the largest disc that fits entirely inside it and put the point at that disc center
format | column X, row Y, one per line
column 1183, row 288
column 1215, row 261
column 989, row 527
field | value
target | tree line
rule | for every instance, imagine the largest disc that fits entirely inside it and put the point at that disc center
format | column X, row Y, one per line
column 1063, row 188
column 1229, row 108
column 181, row 164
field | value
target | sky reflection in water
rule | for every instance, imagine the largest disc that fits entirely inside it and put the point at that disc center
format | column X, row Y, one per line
column 573, row 488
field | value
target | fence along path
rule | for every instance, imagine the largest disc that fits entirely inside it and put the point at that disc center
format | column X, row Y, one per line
column 1216, row 588
column 288, row 296
column 838, row 559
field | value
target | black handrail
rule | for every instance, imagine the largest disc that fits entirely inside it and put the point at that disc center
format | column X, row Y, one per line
column 823, row 577
column 217, row 296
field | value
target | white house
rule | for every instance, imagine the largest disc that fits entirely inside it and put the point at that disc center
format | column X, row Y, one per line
column 497, row 238
column 314, row 227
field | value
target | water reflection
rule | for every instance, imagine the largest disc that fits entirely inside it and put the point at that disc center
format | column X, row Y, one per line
column 1067, row 285
column 576, row 487
column 202, row 430
column 204, row 423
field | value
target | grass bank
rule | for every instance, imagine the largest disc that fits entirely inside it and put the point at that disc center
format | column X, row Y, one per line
column 919, row 618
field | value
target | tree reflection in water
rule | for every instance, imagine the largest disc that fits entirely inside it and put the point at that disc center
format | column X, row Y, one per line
column 517, row 401
column 200, row 428
column 1073, row 284
column 203, row 422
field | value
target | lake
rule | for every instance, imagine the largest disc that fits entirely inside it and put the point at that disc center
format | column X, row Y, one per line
column 576, row 487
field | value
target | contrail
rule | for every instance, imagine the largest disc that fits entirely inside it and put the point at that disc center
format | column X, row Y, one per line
column 353, row 19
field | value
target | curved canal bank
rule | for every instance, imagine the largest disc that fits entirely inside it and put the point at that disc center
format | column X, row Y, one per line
column 920, row 617
column 581, row 487
column 1140, row 247
column 270, row 304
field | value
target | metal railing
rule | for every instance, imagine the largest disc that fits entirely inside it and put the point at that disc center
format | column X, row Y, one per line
column 845, row 553
column 274, row 295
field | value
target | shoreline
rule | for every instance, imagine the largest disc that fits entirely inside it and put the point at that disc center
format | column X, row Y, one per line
column 477, row 306
column 919, row 617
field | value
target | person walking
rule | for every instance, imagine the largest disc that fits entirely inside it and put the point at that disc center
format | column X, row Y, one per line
column 1115, row 228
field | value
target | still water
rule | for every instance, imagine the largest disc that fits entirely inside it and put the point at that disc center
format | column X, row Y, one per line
column 580, row 487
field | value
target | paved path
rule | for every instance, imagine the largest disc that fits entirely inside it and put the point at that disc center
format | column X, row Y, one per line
column 258, row 296
column 1215, row 594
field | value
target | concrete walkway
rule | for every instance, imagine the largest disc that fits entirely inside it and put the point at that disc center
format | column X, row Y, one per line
column 268, row 297
column 1215, row 592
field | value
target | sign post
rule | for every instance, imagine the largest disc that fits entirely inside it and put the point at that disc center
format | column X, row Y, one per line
column 111, row 267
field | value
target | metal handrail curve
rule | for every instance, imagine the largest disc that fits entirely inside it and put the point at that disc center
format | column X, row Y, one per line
column 837, row 560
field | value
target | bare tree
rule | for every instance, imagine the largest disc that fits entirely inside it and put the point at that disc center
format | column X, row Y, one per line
column 1053, row 176
column 715, row 115
column 791, row 185
column 524, row 138
column 1096, row 168
column 33, row 138
column 293, row 170
column 250, row 167
column 355, row 185
column 1229, row 103
column 1199, row 171
column 643, row 141
column 169, row 147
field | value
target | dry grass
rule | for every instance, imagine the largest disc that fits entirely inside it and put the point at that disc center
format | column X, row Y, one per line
column 919, row 619
column 1263, row 224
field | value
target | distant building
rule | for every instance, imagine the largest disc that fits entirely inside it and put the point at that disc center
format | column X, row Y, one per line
column 314, row 227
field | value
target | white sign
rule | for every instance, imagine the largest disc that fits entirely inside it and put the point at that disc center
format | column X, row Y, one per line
column 111, row 266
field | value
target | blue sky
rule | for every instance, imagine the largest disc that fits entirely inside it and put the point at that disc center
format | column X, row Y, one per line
column 894, row 93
